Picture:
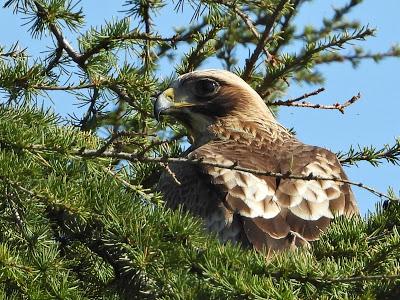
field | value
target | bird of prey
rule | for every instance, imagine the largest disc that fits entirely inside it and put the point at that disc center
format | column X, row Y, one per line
column 230, row 124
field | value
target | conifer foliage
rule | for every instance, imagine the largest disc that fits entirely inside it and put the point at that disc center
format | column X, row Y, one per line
column 79, row 218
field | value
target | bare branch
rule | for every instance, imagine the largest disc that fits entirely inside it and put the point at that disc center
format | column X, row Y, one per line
column 94, row 153
column 65, row 88
column 302, row 97
column 336, row 106
column 170, row 173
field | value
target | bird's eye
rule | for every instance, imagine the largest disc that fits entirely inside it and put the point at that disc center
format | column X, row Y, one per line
column 206, row 87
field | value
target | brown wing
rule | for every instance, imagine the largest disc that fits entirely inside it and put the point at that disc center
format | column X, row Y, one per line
column 196, row 193
column 278, row 214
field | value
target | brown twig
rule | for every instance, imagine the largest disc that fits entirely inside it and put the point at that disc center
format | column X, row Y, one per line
column 94, row 153
column 170, row 173
column 250, row 62
column 136, row 189
column 117, row 135
column 336, row 106
column 65, row 88
column 249, row 23
column 302, row 97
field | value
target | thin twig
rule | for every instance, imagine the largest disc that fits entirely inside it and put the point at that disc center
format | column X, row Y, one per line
column 336, row 106
column 93, row 153
column 119, row 134
column 362, row 278
column 136, row 189
column 249, row 23
column 250, row 62
column 65, row 88
column 156, row 143
column 55, row 60
column 91, row 111
column 170, row 173
column 302, row 97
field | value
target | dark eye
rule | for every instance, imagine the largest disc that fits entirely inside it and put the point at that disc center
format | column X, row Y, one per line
column 206, row 87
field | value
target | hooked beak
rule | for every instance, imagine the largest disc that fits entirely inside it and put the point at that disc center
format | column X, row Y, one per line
column 165, row 104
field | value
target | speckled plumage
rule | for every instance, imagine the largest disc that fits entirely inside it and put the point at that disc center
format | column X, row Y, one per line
column 259, row 211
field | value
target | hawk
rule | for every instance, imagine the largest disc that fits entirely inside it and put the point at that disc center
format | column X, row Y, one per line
column 230, row 124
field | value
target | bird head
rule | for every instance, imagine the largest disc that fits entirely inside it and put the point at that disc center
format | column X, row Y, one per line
column 201, row 99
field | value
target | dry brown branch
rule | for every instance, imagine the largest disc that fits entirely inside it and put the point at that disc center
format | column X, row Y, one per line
column 94, row 153
column 294, row 102
column 249, row 23
column 302, row 97
column 65, row 88
column 170, row 173
column 250, row 62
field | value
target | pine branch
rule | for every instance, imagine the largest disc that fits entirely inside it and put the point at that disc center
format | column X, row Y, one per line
column 133, row 157
column 329, row 281
column 249, row 23
column 92, row 233
column 80, row 59
column 200, row 52
column 13, row 52
column 58, row 34
column 54, row 60
column 372, row 155
column 312, row 49
column 132, row 36
column 358, row 56
column 288, row 18
column 250, row 62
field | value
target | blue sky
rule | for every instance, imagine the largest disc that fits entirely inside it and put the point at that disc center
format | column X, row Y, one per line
column 371, row 121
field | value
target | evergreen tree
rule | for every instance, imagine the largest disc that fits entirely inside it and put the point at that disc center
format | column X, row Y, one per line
column 79, row 218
